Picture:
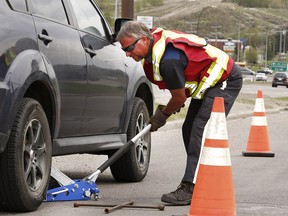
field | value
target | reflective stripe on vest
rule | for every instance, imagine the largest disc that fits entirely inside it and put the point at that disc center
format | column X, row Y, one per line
column 215, row 70
column 159, row 48
column 221, row 57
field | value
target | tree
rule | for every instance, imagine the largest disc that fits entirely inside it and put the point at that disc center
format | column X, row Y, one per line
column 251, row 55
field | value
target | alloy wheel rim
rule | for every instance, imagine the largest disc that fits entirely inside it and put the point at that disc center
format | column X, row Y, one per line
column 34, row 154
column 142, row 143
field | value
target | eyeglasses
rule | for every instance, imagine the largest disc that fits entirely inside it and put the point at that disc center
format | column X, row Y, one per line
column 131, row 47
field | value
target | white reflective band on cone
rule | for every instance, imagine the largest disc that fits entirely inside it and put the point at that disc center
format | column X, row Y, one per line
column 259, row 121
column 259, row 105
column 217, row 127
column 216, row 156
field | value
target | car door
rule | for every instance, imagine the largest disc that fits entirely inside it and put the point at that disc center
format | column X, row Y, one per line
column 61, row 46
column 107, row 80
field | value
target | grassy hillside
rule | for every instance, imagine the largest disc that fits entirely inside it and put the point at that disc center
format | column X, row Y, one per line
column 199, row 16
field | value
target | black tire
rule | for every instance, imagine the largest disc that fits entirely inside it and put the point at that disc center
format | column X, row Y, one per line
column 133, row 165
column 26, row 162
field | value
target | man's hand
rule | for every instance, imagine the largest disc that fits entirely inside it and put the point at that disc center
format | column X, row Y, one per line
column 158, row 119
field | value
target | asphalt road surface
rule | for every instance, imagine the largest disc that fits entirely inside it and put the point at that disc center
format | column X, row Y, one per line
column 261, row 185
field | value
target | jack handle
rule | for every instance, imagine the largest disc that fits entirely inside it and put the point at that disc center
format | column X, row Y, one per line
column 117, row 154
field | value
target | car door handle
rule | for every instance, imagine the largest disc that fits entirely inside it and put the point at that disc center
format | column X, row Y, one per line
column 90, row 51
column 45, row 38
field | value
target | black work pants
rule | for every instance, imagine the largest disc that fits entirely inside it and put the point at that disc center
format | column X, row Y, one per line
column 198, row 114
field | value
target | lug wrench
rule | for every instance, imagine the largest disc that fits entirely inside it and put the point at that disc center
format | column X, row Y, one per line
column 108, row 210
column 159, row 207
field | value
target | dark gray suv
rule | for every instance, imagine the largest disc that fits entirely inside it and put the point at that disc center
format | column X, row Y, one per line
column 280, row 79
column 66, row 87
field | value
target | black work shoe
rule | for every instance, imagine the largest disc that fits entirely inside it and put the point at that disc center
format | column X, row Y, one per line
column 181, row 196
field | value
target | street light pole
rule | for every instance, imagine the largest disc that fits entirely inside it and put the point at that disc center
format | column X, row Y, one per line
column 284, row 41
column 216, row 27
column 266, row 50
column 280, row 43
column 198, row 21
column 238, row 45
column 116, row 10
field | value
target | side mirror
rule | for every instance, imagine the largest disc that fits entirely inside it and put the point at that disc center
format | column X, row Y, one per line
column 119, row 22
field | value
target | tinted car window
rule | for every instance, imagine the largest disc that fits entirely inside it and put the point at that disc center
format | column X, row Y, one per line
column 87, row 17
column 280, row 75
column 18, row 5
column 53, row 9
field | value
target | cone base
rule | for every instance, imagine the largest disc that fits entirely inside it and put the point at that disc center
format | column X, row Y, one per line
column 258, row 154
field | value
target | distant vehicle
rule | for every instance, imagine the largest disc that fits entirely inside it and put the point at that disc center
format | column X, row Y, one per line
column 281, row 79
column 261, row 77
column 268, row 70
column 265, row 71
column 247, row 74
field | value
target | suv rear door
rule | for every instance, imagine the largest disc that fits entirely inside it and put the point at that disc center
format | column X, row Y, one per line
column 107, row 80
column 60, row 45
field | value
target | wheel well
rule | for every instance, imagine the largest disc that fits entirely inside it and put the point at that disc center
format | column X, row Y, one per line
column 145, row 94
column 40, row 92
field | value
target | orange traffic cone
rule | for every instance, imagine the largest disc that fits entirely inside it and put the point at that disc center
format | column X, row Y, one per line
column 213, row 193
column 258, row 141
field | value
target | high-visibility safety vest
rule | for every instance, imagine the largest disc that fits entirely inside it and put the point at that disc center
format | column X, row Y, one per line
column 207, row 65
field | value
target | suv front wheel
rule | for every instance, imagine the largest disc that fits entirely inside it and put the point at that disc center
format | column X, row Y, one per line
column 26, row 162
column 134, row 164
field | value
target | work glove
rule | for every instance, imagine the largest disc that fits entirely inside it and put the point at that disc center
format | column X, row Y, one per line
column 158, row 119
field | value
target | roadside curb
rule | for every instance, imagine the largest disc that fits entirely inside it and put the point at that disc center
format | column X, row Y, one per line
column 250, row 113
column 170, row 125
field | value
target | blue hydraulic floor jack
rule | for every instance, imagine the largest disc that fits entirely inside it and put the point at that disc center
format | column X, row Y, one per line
column 86, row 188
